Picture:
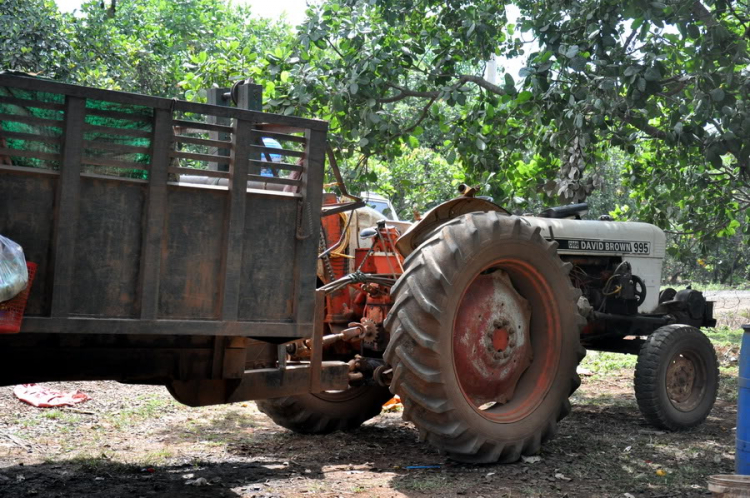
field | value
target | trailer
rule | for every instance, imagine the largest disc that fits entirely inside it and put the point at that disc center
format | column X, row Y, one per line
column 145, row 279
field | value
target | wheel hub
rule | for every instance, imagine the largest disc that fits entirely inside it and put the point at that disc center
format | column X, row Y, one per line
column 491, row 346
column 680, row 379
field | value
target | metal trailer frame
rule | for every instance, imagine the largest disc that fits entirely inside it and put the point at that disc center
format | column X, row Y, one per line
column 150, row 281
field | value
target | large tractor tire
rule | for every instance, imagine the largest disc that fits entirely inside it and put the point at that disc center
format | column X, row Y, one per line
column 326, row 412
column 485, row 339
column 676, row 377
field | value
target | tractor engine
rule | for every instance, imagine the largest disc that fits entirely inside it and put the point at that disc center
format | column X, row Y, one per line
column 617, row 266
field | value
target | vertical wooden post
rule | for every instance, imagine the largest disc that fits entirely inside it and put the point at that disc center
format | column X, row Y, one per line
column 216, row 97
column 236, row 217
column 311, row 188
column 250, row 97
column 66, row 206
column 316, row 355
column 155, row 213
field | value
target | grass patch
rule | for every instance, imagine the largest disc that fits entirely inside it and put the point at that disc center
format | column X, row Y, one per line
column 601, row 363
column 157, row 457
column 151, row 408
column 98, row 465
column 421, row 483
column 724, row 336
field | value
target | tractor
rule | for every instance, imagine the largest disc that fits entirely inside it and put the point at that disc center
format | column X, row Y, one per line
column 478, row 320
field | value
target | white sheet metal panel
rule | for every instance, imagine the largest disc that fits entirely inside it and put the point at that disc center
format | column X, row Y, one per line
column 641, row 244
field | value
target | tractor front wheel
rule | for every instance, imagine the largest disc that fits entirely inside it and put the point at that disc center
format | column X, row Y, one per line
column 485, row 338
column 676, row 377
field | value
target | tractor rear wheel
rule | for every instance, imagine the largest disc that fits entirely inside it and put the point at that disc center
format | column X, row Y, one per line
column 485, row 338
column 676, row 377
column 326, row 412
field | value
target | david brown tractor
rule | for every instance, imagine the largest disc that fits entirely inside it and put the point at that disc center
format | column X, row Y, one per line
column 480, row 328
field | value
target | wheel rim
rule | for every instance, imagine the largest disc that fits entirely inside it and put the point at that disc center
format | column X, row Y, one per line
column 505, row 357
column 685, row 380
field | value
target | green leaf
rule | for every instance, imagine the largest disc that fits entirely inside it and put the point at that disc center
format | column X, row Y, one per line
column 480, row 144
column 652, row 74
column 717, row 94
column 524, row 96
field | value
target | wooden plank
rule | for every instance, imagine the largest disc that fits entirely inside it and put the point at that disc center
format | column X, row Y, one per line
column 235, row 223
column 108, row 130
column 120, row 115
column 203, row 141
column 41, row 85
column 92, row 325
column 112, row 163
column 57, row 123
column 308, row 224
column 155, row 214
column 239, row 112
column 48, row 156
column 66, row 207
column 280, row 152
column 219, row 97
column 281, row 128
column 196, row 125
column 200, row 172
column 38, row 104
column 316, row 355
column 195, row 155
column 35, row 84
column 272, row 179
column 29, row 171
column 125, row 149
column 111, row 178
column 278, row 166
column 281, row 137
column 31, row 137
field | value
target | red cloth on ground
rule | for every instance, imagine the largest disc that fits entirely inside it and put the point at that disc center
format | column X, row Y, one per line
column 43, row 397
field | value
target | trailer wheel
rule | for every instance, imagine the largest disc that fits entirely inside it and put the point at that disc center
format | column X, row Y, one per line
column 485, row 338
column 676, row 377
column 328, row 411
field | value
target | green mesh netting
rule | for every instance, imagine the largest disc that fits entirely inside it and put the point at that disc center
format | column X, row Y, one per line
column 109, row 140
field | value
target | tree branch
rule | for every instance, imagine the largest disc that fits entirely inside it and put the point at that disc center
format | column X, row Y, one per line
column 646, row 128
column 479, row 81
column 405, row 93
column 421, row 118
column 703, row 15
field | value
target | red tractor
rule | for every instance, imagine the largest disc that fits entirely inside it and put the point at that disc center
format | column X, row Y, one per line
column 480, row 328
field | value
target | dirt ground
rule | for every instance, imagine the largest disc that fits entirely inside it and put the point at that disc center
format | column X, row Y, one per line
column 134, row 441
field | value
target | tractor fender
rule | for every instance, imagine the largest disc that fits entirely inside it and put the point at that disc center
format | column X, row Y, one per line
column 439, row 215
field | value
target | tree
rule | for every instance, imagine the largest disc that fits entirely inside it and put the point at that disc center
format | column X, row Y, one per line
column 33, row 37
column 417, row 180
column 667, row 77
column 169, row 48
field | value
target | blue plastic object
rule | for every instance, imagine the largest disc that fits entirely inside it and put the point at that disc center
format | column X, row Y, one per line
column 276, row 158
column 742, row 457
